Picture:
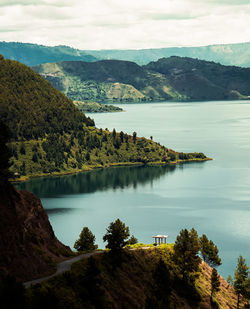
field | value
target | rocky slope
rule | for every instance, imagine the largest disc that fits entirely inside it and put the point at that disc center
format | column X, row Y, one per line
column 173, row 78
column 28, row 246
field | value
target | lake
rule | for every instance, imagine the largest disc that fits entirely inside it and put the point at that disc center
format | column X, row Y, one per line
column 213, row 196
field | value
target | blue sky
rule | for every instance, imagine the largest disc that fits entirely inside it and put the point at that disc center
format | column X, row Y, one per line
column 123, row 24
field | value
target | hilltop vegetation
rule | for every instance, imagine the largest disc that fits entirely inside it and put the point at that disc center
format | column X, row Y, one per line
column 51, row 136
column 138, row 279
column 173, row 78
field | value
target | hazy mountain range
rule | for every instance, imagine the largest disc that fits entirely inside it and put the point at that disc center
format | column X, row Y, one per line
column 33, row 54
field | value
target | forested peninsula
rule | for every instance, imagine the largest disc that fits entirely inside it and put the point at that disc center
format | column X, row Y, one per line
column 50, row 136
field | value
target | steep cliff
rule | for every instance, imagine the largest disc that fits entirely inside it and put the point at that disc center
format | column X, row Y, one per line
column 28, row 245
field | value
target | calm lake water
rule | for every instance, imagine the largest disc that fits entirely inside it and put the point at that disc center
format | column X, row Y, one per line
column 213, row 197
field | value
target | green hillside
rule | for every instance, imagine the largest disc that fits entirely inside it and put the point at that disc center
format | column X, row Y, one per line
column 33, row 54
column 51, row 136
column 174, row 78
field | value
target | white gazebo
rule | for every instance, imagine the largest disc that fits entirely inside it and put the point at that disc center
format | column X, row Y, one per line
column 160, row 239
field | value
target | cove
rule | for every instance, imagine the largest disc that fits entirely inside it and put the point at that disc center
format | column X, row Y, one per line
column 213, row 196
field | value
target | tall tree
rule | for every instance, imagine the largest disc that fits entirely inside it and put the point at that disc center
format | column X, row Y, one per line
column 134, row 137
column 116, row 235
column 86, row 240
column 209, row 251
column 122, row 136
column 215, row 282
column 186, row 250
column 241, row 280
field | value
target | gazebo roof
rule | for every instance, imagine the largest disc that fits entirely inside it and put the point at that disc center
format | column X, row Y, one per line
column 160, row 236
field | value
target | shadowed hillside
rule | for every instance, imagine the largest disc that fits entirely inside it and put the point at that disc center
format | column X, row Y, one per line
column 137, row 279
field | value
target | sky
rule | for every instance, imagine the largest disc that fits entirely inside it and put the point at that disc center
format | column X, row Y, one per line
column 125, row 24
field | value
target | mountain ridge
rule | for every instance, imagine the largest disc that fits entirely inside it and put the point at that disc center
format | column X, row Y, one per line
column 174, row 78
column 33, row 54
column 228, row 54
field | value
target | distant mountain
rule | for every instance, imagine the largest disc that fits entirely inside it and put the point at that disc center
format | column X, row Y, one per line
column 173, row 78
column 33, row 54
column 104, row 81
column 227, row 54
column 203, row 80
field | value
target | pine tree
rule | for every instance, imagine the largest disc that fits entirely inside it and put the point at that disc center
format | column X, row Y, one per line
column 241, row 280
column 116, row 235
column 134, row 137
column 215, row 282
column 209, row 251
column 122, row 136
column 186, row 250
column 86, row 240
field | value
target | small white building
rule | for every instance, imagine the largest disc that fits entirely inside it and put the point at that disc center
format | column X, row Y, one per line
column 160, row 239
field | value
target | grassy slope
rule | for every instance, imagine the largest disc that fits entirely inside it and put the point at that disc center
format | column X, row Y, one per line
column 134, row 281
column 51, row 136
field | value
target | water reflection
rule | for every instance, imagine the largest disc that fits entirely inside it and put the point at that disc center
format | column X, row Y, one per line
column 98, row 180
column 59, row 211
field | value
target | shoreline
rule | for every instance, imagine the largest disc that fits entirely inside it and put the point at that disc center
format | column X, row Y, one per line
column 95, row 167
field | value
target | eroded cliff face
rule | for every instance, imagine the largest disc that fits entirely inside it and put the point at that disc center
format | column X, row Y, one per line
column 28, row 246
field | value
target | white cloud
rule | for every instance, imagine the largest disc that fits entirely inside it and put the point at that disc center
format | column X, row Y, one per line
column 100, row 24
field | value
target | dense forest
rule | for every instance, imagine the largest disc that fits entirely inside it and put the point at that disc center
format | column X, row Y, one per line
column 50, row 135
